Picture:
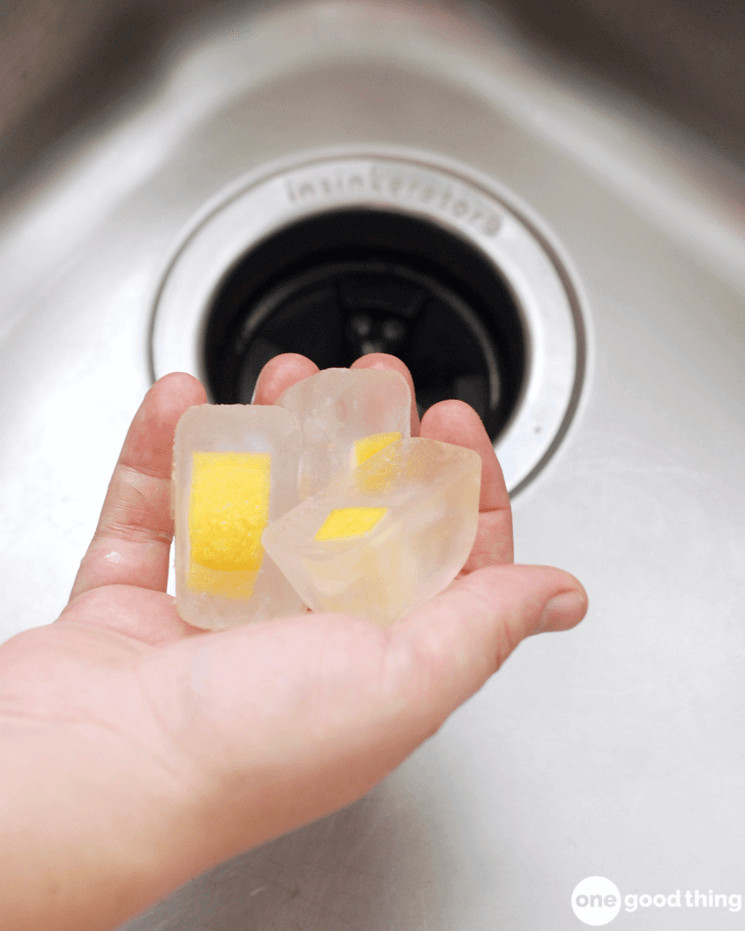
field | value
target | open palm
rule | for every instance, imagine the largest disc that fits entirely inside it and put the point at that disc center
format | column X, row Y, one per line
column 141, row 751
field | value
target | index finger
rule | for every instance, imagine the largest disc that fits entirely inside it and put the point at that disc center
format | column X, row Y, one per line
column 132, row 541
column 279, row 374
column 458, row 423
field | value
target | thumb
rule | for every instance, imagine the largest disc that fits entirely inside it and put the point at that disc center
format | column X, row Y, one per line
column 457, row 640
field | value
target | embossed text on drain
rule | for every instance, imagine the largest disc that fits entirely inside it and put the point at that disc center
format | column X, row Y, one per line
column 403, row 185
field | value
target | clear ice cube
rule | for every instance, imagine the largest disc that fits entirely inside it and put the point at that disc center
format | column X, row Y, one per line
column 387, row 535
column 345, row 416
column 234, row 469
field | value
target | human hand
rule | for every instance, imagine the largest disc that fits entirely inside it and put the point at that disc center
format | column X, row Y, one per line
column 138, row 751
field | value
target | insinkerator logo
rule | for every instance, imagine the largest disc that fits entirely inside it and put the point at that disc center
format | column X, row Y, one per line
column 597, row 901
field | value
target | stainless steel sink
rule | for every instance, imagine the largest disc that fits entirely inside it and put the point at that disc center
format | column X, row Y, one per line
column 616, row 749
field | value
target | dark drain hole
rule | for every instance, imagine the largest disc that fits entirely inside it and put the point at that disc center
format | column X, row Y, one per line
column 339, row 285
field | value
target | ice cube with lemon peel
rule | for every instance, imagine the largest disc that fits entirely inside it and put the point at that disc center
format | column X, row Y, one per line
column 385, row 536
column 390, row 523
column 346, row 416
column 235, row 468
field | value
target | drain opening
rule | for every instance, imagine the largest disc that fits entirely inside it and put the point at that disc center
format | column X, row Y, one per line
column 340, row 284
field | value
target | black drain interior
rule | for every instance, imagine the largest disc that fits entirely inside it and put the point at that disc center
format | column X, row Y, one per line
column 338, row 285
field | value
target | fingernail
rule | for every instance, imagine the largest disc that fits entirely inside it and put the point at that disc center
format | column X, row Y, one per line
column 563, row 611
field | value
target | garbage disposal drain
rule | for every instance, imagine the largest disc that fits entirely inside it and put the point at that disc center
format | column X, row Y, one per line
column 344, row 283
column 338, row 257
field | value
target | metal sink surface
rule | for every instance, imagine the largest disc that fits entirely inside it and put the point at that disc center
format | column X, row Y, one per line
column 616, row 749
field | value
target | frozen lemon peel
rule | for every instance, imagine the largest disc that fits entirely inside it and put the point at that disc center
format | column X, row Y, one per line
column 228, row 510
column 369, row 445
column 377, row 475
column 343, row 523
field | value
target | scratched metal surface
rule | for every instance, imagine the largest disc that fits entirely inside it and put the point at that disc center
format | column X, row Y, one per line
column 616, row 749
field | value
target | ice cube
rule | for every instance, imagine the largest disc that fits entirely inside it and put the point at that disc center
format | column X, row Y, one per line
column 346, row 415
column 387, row 535
column 234, row 468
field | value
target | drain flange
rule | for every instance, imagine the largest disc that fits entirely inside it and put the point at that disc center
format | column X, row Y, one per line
column 338, row 256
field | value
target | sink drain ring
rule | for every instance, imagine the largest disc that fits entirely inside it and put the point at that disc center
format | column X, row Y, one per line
column 449, row 199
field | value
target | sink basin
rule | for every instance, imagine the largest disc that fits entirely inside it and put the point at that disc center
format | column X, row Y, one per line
column 616, row 749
